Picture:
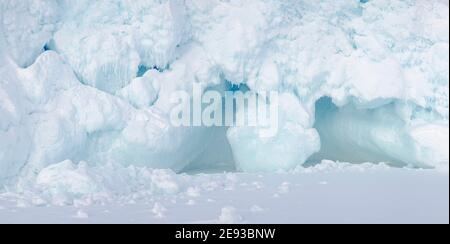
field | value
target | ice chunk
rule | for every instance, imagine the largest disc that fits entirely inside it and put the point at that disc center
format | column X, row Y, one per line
column 159, row 210
column 291, row 146
column 81, row 214
column 432, row 142
column 141, row 92
column 228, row 215
column 65, row 177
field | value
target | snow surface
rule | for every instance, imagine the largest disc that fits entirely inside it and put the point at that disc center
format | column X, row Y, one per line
column 85, row 91
column 327, row 193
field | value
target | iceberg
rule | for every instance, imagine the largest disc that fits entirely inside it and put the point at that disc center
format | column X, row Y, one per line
column 91, row 82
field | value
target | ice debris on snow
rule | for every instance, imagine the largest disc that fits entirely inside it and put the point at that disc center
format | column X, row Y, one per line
column 159, row 210
column 228, row 215
column 284, row 188
column 333, row 166
column 67, row 183
column 81, row 214
column 193, row 192
column 256, row 209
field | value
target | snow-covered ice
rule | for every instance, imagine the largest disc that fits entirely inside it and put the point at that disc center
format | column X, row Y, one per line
column 85, row 100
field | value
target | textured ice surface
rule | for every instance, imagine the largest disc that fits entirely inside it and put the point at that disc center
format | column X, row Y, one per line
column 27, row 26
column 106, row 41
column 91, row 82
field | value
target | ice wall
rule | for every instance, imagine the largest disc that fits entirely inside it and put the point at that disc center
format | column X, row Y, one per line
column 91, row 81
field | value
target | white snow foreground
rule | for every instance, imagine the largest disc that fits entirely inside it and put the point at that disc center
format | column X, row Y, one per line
column 85, row 88
column 327, row 193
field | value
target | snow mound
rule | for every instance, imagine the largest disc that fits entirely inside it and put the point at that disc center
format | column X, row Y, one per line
column 67, row 183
